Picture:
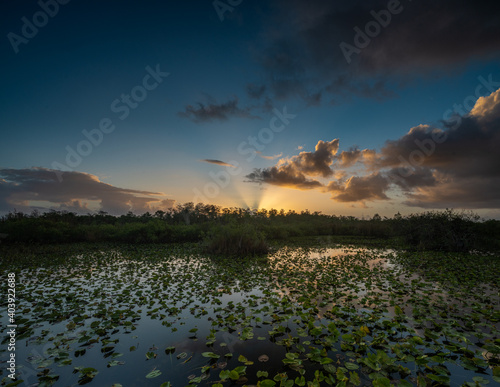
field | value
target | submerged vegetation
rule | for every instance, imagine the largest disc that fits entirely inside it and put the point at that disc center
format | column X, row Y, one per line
column 168, row 315
column 219, row 228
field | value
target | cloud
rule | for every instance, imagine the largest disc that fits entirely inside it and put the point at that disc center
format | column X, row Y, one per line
column 293, row 172
column 284, row 176
column 468, row 193
column 467, row 151
column 303, row 59
column 255, row 91
column 316, row 163
column 410, row 178
column 218, row 162
column 453, row 166
column 21, row 188
column 214, row 111
column 487, row 108
column 456, row 165
column 349, row 158
column 359, row 189
column 269, row 157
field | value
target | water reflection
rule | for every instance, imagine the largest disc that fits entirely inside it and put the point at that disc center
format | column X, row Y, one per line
column 114, row 307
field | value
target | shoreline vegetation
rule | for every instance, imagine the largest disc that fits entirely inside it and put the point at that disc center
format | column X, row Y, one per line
column 237, row 231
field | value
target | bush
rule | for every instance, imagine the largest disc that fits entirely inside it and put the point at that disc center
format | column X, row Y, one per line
column 443, row 231
column 236, row 240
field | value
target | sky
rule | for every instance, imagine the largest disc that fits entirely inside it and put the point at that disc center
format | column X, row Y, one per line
column 348, row 108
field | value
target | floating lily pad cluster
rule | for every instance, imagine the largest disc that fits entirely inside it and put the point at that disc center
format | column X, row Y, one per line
column 171, row 316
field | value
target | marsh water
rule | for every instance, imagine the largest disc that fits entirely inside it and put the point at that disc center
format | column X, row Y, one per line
column 341, row 315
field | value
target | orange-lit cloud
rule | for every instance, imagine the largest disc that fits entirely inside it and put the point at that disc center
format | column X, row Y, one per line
column 293, row 172
column 359, row 189
column 487, row 107
column 285, row 176
column 218, row 162
column 19, row 188
column 452, row 166
column 269, row 157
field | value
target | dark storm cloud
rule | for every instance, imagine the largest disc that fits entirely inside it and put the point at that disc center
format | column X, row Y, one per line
column 214, row 111
column 410, row 178
column 468, row 150
column 302, row 51
column 467, row 193
column 455, row 166
column 304, row 59
column 19, row 187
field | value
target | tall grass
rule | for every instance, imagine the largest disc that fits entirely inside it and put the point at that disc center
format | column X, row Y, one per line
column 239, row 240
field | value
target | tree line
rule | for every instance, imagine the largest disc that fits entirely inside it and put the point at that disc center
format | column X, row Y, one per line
column 446, row 230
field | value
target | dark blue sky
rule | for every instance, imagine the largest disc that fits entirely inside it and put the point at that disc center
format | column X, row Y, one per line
column 187, row 138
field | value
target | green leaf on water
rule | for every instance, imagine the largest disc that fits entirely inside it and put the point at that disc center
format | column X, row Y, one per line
column 439, row 378
column 354, row 378
column 153, row 374
column 268, row 383
column 300, row 381
column 233, row 375
column 210, row 355
column 242, row 359
column 351, row 366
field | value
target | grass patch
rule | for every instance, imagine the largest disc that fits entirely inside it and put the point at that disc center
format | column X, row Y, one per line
column 236, row 240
